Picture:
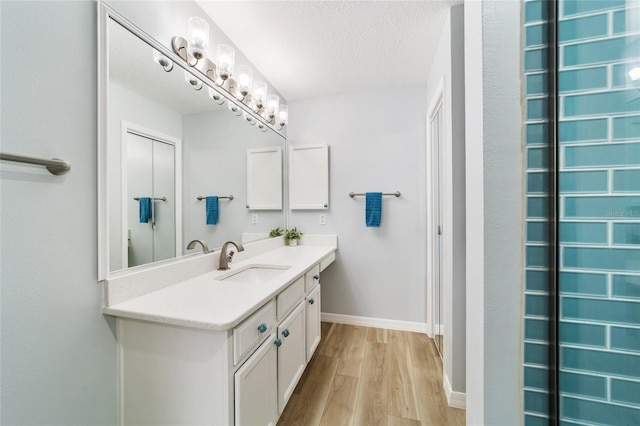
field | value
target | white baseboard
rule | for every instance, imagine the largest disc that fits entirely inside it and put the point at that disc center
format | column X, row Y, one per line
column 418, row 327
column 454, row 399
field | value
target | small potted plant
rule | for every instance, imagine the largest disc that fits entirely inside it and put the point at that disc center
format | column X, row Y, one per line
column 293, row 235
column 276, row 232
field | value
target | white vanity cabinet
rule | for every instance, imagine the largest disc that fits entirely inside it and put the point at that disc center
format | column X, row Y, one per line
column 312, row 321
column 312, row 310
column 292, row 358
column 185, row 374
column 255, row 384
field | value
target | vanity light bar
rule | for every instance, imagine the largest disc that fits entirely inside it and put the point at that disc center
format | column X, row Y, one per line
column 192, row 51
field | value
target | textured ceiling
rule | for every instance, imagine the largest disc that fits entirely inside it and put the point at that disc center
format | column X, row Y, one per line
column 317, row 48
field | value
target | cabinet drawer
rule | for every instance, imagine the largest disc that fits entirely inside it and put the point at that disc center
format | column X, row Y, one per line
column 253, row 330
column 311, row 278
column 288, row 297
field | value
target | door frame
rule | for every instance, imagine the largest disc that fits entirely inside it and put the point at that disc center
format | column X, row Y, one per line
column 128, row 127
column 436, row 104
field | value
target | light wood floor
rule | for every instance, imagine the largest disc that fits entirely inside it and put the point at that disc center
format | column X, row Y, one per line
column 371, row 376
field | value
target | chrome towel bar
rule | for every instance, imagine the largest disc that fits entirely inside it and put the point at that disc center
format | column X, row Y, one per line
column 154, row 199
column 230, row 197
column 362, row 194
column 55, row 165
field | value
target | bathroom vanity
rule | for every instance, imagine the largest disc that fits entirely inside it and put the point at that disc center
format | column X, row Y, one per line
column 221, row 347
column 199, row 346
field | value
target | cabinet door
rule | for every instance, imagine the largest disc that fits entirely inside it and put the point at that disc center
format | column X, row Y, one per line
column 313, row 321
column 255, row 387
column 291, row 354
column 309, row 177
column 264, row 178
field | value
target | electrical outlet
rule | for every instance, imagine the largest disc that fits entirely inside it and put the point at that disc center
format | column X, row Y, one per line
column 322, row 219
column 254, row 218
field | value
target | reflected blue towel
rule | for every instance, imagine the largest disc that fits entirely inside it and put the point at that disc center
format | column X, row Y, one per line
column 212, row 210
column 373, row 209
column 145, row 209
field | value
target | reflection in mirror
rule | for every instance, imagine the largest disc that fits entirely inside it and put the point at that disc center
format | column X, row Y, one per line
column 169, row 144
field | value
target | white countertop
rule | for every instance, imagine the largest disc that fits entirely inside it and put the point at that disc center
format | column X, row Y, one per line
column 205, row 302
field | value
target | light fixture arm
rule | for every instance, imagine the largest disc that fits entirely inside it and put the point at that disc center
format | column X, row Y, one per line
column 179, row 45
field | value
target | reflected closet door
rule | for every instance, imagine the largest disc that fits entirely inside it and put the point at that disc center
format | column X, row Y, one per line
column 150, row 173
column 139, row 184
column 164, row 234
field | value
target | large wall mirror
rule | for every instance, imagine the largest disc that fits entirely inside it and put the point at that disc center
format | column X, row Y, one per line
column 169, row 146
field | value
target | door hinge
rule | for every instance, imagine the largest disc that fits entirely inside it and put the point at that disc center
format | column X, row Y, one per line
column 439, row 230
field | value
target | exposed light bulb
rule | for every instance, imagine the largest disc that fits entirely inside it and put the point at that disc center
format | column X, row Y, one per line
column 198, row 30
column 248, row 118
column 225, row 61
column 283, row 115
column 245, row 80
column 234, row 108
column 217, row 97
column 272, row 106
column 259, row 94
column 162, row 60
column 192, row 80
column 634, row 74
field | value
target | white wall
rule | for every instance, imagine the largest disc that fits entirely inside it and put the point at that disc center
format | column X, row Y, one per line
column 129, row 106
column 376, row 143
column 495, row 197
column 58, row 350
column 448, row 68
column 475, row 223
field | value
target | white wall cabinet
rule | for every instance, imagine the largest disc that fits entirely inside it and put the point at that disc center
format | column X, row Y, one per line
column 255, row 384
column 309, row 177
column 245, row 376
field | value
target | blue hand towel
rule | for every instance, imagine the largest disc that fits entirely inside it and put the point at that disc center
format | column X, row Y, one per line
column 373, row 209
column 144, row 205
column 212, row 210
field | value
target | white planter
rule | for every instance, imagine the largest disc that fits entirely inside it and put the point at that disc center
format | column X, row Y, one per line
column 293, row 242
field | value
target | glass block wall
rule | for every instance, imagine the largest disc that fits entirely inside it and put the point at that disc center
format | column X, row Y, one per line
column 599, row 186
column 536, row 353
column 599, row 212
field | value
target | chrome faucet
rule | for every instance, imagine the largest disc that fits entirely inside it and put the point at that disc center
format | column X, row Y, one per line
column 192, row 245
column 225, row 257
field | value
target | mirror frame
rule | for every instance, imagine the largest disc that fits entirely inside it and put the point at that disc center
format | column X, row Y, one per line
column 106, row 13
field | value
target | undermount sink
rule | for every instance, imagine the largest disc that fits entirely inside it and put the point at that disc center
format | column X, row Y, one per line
column 255, row 273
